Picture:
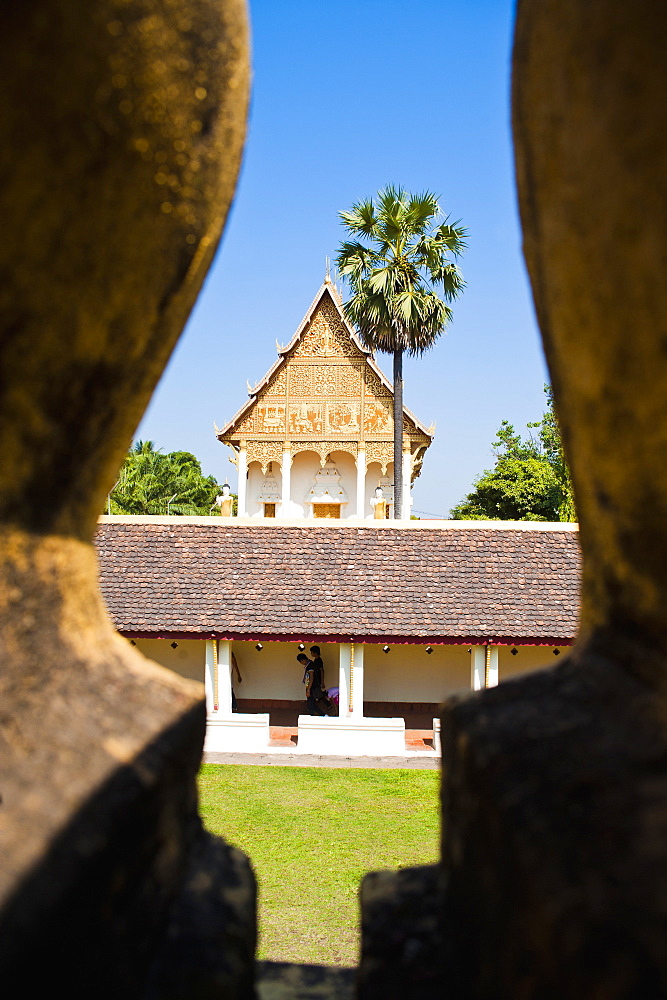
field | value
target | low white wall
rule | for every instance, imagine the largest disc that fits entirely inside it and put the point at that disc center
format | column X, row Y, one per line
column 236, row 732
column 351, row 737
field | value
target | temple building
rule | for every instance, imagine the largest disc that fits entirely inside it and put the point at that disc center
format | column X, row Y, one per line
column 405, row 612
column 316, row 437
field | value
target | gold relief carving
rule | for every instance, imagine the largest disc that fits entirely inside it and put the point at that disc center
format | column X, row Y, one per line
column 348, row 381
column 306, row 418
column 332, row 380
column 318, row 342
column 343, row 418
column 380, row 451
column 338, row 329
column 264, row 452
column 247, row 424
column 324, row 448
column 324, row 381
column 350, row 447
column 269, row 417
column 374, row 386
column 377, row 417
column 278, row 386
column 300, row 380
column 326, row 336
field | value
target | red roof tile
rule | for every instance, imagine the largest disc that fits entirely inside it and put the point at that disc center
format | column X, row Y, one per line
column 434, row 585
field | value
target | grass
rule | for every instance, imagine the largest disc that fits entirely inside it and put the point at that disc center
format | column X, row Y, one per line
column 311, row 834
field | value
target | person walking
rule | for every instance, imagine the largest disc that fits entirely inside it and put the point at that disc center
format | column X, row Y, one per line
column 312, row 678
column 316, row 660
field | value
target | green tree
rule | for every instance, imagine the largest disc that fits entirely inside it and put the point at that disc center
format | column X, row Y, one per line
column 530, row 480
column 151, row 482
column 402, row 273
column 551, row 444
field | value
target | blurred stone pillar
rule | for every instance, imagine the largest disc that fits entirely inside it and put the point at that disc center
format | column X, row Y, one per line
column 121, row 130
column 554, row 787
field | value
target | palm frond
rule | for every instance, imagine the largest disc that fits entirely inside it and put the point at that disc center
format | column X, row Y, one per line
column 401, row 270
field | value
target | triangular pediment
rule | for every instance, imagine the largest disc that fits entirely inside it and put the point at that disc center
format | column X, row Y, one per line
column 324, row 385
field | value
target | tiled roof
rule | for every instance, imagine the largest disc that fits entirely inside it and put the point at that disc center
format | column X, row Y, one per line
column 467, row 585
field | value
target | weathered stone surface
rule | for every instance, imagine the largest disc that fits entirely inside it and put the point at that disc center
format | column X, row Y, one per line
column 555, row 785
column 554, row 819
column 122, row 123
column 591, row 161
column 401, row 945
column 288, row 981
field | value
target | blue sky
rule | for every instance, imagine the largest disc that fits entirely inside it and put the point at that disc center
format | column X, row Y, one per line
column 348, row 97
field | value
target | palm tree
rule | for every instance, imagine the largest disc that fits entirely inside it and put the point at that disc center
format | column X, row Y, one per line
column 153, row 483
column 395, row 275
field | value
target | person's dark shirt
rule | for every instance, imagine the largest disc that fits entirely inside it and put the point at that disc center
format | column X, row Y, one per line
column 315, row 669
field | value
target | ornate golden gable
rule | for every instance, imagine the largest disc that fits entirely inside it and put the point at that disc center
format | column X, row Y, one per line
column 324, row 394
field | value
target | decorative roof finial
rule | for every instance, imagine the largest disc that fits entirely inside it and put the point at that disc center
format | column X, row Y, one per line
column 327, row 275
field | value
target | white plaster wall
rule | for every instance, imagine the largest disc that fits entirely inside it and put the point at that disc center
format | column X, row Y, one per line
column 527, row 658
column 406, row 673
column 409, row 673
column 255, row 482
column 188, row 659
column 347, row 469
column 305, row 466
column 275, row 673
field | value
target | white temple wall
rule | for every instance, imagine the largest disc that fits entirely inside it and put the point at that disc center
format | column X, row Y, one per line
column 373, row 476
column 527, row 658
column 255, row 482
column 347, row 470
column 409, row 673
column 187, row 660
column 272, row 672
column 305, row 466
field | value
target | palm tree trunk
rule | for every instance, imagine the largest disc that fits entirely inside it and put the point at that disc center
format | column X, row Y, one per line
column 398, row 433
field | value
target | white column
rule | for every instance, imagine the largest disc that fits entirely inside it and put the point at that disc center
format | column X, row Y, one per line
column 477, row 668
column 491, row 667
column 344, row 681
column 286, row 467
column 407, row 481
column 361, row 483
column 351, row 681
column 209, row 678
column 224, row 677
column 357, row 675
column 483, row 667
column 242, row 466
column 217, row 680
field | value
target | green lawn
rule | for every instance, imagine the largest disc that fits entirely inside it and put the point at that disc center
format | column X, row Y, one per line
column 311, row 834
